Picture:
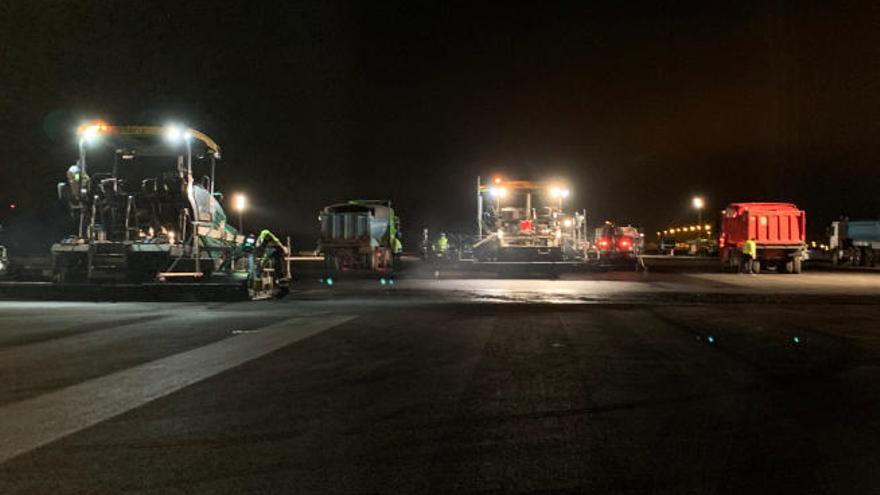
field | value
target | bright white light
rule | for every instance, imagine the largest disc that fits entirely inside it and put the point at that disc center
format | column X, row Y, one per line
column 174, row 133
column 498, row 192
column 90, row 134
column 240, row 202
column 558, row 192
column 697, row 202
column 92, row 131
column 567, row 223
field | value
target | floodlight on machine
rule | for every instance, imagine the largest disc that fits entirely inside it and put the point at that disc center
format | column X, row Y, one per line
column 498, row 192
column 175, row 133
column 91, row 131
column 558, row 192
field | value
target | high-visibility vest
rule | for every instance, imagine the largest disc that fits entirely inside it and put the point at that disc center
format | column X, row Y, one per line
column 443, row 243
column 750, row 248
column 398, row 246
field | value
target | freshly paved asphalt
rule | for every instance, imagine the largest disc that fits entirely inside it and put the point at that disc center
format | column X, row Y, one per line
column 604, row 383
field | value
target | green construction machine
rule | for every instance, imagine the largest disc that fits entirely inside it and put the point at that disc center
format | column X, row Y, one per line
column 146, row 211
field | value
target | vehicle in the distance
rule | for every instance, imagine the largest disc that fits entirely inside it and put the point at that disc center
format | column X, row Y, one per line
column 358, row 235
column 778, row 230
column 854, row 242
column 615, row 244
column 527, row 222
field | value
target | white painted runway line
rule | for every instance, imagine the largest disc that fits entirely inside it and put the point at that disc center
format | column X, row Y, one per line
column 35, row 422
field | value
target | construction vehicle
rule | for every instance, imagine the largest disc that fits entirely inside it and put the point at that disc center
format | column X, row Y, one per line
column 854, row 242
column 147, row 210
column 525, row 221
column 615, row 244
column 358, row 235
column 778, row 230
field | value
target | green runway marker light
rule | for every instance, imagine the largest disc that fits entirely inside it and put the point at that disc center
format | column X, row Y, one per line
column 796, row 339
column 383, row 281
column 710, row 339
column 329, row 281
column 390, row 281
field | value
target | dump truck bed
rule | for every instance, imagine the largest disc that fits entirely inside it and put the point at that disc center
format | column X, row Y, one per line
column 769, row 224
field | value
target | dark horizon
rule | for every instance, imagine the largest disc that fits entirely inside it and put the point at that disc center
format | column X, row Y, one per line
column 640, row 106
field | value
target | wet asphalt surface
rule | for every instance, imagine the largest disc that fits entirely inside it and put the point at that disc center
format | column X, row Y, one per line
column 611, row 383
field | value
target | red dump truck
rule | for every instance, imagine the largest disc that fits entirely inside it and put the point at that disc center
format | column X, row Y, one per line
column 778, row 229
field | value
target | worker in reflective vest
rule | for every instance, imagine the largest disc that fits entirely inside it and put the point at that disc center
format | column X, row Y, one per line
column 443, row 243
column 750, row 253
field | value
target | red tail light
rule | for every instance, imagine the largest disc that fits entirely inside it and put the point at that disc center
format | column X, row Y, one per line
column 603, row 243
column 525, row 226
column 625, row 243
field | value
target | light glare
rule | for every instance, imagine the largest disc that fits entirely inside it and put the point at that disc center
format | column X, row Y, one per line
column 240, row 202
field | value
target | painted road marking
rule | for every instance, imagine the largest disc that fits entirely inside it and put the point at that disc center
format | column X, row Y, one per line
column 35, row 422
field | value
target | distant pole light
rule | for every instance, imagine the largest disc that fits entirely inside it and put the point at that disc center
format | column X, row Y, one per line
column 13, row 206
column 699, row 204
column 239, row 203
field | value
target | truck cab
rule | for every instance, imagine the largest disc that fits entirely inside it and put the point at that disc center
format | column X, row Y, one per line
column 854, row 242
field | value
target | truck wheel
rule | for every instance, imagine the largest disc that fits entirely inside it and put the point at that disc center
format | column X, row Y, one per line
column 797, row 265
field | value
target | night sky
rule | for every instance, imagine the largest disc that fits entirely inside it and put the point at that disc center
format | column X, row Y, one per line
column 639, row 104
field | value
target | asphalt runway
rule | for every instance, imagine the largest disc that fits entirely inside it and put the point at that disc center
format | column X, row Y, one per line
column 597, row 383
